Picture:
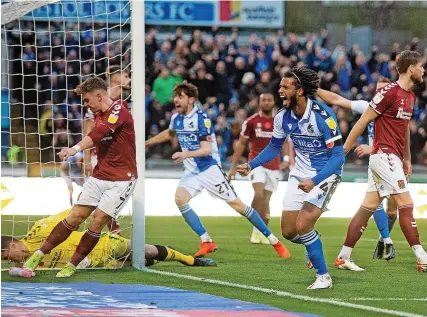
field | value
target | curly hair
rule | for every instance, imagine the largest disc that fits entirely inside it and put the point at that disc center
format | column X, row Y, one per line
column 187, row 88
column 304, row 78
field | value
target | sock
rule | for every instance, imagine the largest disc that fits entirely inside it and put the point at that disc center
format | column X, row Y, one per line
column 297, row 240
column 381, row 219
column 113, row 226
column 86, row 245
column 357, row 226
column 255, row 230
column 314, row 248
column 167, row 254
column 391, row 222
column 192, row 220
column 408, row 224
column 59, row 234
column 345, row 253
column 257, row 221
column 419, row 251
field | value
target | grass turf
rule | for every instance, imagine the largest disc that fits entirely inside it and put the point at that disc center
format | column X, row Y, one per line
column 257, row 265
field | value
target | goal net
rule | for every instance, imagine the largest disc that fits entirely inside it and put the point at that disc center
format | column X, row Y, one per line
column 48, row 48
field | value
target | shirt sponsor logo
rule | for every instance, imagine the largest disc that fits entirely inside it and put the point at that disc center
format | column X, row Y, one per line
column 187, row 138
column 403, row 114
column 263, row 134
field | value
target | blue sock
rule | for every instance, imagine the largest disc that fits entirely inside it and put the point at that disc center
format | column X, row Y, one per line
column 297, row 240
column 256, row 220
column 314, row 248
column 381, row 219
column 192, row 219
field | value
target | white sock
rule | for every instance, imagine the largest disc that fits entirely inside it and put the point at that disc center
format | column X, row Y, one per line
column 388, row 241
column 419, row 251
column 272, row 238
column 255, row 230
column 345, row 253
column 38, row 252
column 205, row 237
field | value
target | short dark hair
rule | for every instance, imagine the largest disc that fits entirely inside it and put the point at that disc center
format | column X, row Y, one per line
column 304, row 78
column 406, row 59
column 6, row 241
column 91, row 84
column 113, row 70
column 187, row 88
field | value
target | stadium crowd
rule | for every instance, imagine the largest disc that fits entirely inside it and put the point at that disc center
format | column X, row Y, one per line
column 230, row 77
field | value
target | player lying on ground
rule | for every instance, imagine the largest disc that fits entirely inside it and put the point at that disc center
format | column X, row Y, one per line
column 118, row 82
column 390, row 161
column 384, row 221
column 258, row 130
column 317, row 140
column 111, row 250
column 203, row 168
column 113, row 180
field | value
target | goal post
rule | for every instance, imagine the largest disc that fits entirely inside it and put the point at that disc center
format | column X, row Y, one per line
column 138, row 112
column 49, row 47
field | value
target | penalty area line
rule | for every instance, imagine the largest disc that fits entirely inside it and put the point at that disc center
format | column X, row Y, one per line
column 286, row 294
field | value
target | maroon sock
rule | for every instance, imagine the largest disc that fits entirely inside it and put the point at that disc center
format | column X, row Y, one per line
column 59, row 234
column 408, row 224
column 86, row 245
column 357, row 226
column 114, row 226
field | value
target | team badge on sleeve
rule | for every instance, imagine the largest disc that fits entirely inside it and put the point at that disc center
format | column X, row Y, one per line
column 331, row 123
column 112, row 118
column 207, row 123
column 377, row 98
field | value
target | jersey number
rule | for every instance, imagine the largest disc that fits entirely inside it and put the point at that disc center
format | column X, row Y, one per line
column 220, row 187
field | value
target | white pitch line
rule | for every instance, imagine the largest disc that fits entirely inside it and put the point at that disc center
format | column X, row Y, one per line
column 287, row 294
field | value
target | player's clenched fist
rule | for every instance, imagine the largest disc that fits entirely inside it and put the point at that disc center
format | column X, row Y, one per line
column 66, row 153
column 306, row 185
column 244, row 169
column 179, row 157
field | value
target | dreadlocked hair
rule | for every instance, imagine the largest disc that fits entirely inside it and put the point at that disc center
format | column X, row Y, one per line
column 304, row 78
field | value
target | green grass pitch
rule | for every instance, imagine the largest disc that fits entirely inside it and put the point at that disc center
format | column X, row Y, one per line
column 395, row 285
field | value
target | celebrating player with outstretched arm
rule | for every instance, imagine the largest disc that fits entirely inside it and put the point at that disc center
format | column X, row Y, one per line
column 202, row 168
column 113, row 180
column 391, row 108
column 315, row 134
column 384, row 221
column 258, row 130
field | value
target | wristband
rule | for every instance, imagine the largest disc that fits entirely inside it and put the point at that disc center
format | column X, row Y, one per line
column 77, row 148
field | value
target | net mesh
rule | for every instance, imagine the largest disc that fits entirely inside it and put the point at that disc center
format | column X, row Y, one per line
column 47, row 50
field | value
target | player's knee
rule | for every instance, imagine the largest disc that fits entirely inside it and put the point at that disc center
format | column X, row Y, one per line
column 98, row 221
column 180, row 199
column 259, row 196
column 392, row 213
column 303, row 226
column 289, row 233
column 150, row 251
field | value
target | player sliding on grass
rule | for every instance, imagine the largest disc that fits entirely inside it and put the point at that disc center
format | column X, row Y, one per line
column 111, row 251
column 384, row 221
column 202, row 168
column 390, row 161
column 317, row 140
column 113, row 180
column 258, row 130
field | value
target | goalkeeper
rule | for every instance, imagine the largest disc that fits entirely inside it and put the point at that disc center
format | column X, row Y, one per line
column 111, row 251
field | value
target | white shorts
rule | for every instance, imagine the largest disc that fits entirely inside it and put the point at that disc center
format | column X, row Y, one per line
column 213, row 180
column 109, row 196
column 266, row 176
column 385, row 175
column 319, row 196
column 93, row 160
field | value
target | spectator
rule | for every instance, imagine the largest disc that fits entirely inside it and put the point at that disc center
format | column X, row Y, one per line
column 163, row 86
